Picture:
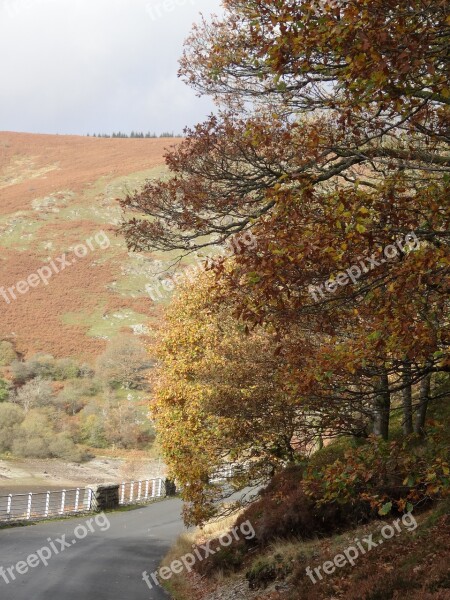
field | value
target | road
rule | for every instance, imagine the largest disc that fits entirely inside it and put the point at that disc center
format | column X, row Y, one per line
column 93, row 561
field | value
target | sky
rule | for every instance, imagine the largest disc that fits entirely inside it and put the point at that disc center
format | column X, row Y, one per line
column 91, row 66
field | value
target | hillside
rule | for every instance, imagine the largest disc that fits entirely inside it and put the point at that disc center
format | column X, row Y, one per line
column 56, row 192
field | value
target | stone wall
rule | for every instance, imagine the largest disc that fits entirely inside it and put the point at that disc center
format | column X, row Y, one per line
column 105, row 496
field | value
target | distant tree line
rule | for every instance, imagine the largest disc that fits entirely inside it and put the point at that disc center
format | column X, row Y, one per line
column 135, row 134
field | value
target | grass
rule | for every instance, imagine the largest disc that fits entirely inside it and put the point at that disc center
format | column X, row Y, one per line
column 104, row 325
column 399, row 566
column 178, row 586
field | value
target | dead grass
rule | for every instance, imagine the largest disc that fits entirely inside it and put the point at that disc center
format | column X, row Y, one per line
column 412, row 565
column 67, row 178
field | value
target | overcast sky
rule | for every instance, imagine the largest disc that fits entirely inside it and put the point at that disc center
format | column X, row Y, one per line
column 85, row 66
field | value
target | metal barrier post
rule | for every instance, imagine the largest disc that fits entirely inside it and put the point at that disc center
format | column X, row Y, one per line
column 30, row 499
column 47, row 504
column 63, row 501
column 131, row 491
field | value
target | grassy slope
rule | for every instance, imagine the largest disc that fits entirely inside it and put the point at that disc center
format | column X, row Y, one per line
column 55, row 192
column 413, row 565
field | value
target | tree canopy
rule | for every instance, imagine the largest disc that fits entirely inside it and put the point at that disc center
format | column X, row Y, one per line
column 331, row 144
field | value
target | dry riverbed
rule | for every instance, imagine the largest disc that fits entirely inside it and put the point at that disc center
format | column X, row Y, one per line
column 33, row 475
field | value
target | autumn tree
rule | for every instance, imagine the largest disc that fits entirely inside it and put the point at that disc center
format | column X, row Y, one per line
column 332, row 145
column 123, row 363
column 219, row 400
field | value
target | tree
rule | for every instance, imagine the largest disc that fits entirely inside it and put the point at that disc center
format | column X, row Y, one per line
column 124, row 363
column 331, row 146
column 218, row 400
column 36, row 393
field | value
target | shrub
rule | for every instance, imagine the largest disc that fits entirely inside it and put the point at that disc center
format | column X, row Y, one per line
column 4, row 390
column 47, row 367
column 123, row 363
column 70, row 400
column 385, row 475
column 33, row 436
column 92, row 429
column 265, row 570
column 7, row 354
column 65, row 368
column 34, row 393
column 31, row 447
column 286, row 511
column 22, row 371
column 61, row 446
column 10, row 417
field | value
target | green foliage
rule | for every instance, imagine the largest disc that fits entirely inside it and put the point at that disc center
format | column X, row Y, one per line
column 78, row 407
column 11, row 416
column 47, row 367
column 267, row 569
column 7, row 353
column 4, row 390
column 386, row 475
column 36, row 437
column 123, row 364
column 21, row 371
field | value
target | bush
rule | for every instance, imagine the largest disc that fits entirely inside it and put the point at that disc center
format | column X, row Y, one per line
column 123, row 364
column 65, row 368
column 286, row 511
column 4, row 390
column 34, row 393
column 70, row 400
column 33, row 436
column 10, row 417
column 22, row 371
column 386, row 475
column 61, row 446
column 7, row 354
column 265, row 570
column 47, row 367
column 92, row 429
column 31, row 447
column 86, row 372
column 90, row 387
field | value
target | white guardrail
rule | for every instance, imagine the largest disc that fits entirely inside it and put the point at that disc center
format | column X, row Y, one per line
column 38, row 505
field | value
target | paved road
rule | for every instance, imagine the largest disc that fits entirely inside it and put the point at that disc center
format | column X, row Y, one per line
column 106, row 565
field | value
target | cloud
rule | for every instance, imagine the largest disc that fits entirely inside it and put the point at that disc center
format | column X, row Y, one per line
column 77, row 66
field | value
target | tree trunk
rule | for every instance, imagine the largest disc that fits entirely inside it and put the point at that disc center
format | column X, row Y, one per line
column 424, row 396
column 382, row 407
column 407, row 400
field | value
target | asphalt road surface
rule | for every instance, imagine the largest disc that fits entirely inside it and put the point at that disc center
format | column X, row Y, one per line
column 89, row 561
